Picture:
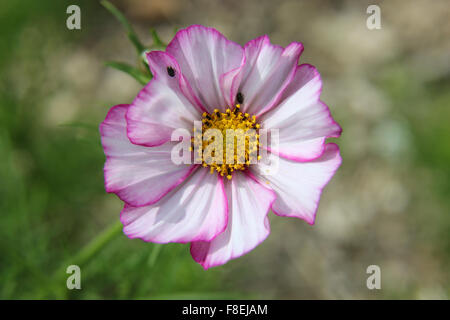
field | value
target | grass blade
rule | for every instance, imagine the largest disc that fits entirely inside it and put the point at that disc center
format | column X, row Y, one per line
column 129, row 29
column 132, row 71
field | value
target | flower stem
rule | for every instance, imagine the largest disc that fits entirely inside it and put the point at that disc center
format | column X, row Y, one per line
column 155, row 253
column 86, row 253
column 93, row 247
column 129, row 29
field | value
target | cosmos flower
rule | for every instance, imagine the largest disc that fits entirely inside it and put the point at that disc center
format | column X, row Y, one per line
column 221, row 209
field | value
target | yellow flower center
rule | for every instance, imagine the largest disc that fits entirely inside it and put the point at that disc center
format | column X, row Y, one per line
column 228, row 141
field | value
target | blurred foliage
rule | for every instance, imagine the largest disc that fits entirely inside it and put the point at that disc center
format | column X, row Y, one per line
column 431, row 136
column 52, row 198
column 52, row 186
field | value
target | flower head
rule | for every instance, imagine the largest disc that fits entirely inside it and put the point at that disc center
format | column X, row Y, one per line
column 220, row 203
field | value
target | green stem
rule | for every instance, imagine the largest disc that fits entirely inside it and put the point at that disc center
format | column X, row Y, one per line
column 132, row 71
column 157, row 42
column 155, row 253
column 129, row 29
column 86, row 253
column 93, row 247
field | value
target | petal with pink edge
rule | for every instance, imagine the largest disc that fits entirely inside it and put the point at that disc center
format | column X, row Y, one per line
column 248, row 225
column 194, row 211
column 302, row 119
column 161, row 106
column 205, row 56
column 138, row 175
column 298, row 185
column 267, row 72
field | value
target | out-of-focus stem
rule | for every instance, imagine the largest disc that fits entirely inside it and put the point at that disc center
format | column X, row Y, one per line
column 96, row 244
column 130, row 31
column 58, row 283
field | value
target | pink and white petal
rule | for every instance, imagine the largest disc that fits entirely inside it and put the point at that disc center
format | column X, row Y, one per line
column 267, row 72
column 195, row 211
column 248, row 225
column 138, row 175
column 295, row 150
column 302, row 119
column 298, row 185
column 229, row 83
column 161, row 106
column 204, row 55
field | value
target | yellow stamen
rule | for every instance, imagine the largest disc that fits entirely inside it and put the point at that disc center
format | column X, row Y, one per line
column 245, row 143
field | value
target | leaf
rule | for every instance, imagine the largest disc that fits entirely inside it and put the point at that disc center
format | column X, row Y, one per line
column 130, row 32
column 138, row 75
column 155, row 253
column 82, row 125
column 157, row 42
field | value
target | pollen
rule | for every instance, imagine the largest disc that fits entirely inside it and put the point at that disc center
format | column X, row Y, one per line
column 237, row 145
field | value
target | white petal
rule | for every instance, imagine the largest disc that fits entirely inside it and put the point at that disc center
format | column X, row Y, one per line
column 267, row 72
column 298, row 185
column 248, row 225
column 194, row 211
column 138, row 175
column 204, row 56
column 302, row 119
column 161, row 106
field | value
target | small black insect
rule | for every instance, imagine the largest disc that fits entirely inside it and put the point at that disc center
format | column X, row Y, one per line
column 239, row 97
column 171, row 71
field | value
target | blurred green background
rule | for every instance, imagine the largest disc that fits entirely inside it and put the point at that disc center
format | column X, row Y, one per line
column 388, row 204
